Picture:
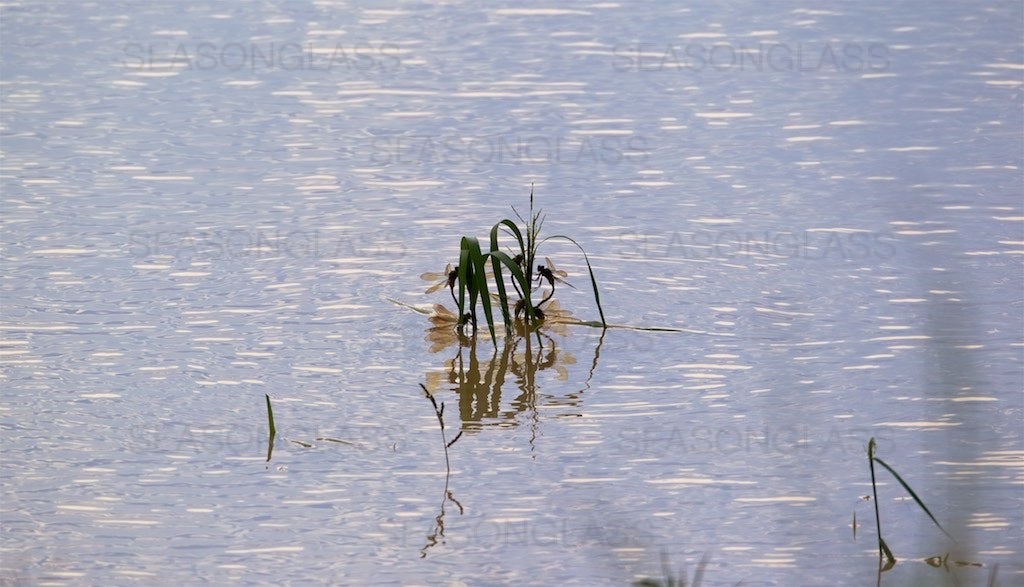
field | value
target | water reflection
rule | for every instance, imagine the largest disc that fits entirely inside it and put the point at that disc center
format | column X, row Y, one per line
column 445, row 330
column 436, row 535
column 526, row 352
column 478, row 380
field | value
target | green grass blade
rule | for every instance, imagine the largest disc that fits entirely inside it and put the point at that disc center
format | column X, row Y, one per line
column 512, row 228
column 479, row 283
column 485, row 296
column 270, row 417
column 499, row 284
column 874, row 491
column 464, row 271
column 499, row 277
column 518, row 275
column 513, row 267
column 467, row 246
column 593, row 280
column 273, row 429
column 913, row 495
column 597, row 324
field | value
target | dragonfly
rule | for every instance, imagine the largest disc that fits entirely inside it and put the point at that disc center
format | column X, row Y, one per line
column 556, row 314
column 448, row 277
column 553, row 312
column 521, row 308
column 446, row 329
column 551, row 274
column 443, row 317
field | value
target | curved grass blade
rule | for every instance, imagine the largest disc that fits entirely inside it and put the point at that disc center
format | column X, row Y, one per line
column 518, row 275
column 593, row 280
column 499, row 279
column 882, row 546
column 597, row 324
column 478, row 284
column 270, row 416
column 513, row 267
column 913, row 495
column 485, row 297
column 474, row 293
column 512, row 228
column 463, row 279
column 273, row 429
column 499, row 284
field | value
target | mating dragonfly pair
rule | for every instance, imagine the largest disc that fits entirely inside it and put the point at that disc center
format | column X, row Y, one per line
column 449, row 277
column 548, row 272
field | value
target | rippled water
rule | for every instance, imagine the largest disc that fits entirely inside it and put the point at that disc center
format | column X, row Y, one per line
column 206, row 204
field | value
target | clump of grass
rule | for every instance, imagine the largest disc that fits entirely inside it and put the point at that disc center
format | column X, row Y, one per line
column 516, row 272
column 883, row 548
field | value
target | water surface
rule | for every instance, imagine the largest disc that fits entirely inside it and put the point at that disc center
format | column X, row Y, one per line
column 206, row 204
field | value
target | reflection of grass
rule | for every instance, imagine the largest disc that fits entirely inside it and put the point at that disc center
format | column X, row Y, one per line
column 883, row 548
column 670, row 580
column 444, row 332
column 481, row 378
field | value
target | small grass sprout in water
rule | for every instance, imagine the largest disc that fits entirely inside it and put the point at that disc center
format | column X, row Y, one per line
column 273, row 429
column 272, row 434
